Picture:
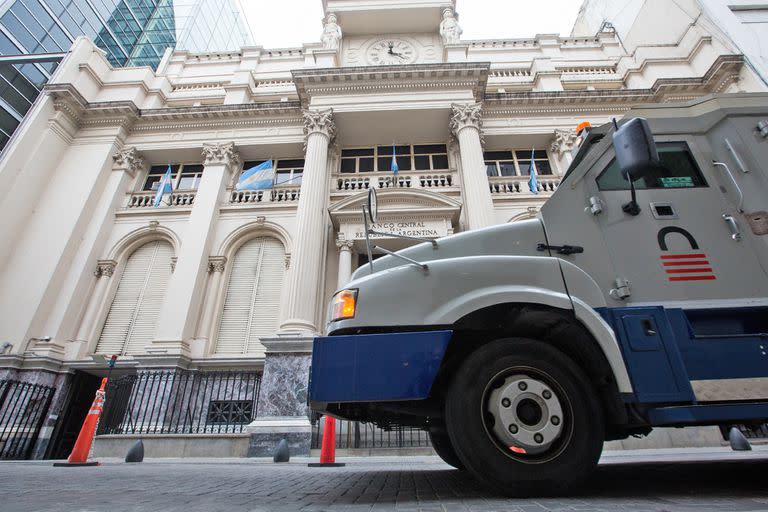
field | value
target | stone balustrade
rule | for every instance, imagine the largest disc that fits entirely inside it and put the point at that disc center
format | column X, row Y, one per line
column 435, row 180
column 146, row 199
column 505, row 186
column 276, row 195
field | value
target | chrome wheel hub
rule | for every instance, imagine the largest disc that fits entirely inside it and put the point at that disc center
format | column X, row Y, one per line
column 528, row 415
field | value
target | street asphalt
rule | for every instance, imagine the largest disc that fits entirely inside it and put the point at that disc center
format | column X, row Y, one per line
column 645, row 480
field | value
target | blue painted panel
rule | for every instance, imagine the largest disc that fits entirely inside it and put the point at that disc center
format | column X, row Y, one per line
column 650, row 353
column 719, row 356
column 376, row 367
column 708, row 414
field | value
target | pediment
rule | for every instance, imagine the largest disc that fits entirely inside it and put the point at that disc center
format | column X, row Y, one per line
column 398, row 203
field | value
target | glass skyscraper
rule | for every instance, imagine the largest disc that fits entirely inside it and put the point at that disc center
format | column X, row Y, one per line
column 35, row 35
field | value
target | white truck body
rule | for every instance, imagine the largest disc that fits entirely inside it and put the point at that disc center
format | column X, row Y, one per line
column 667, row 309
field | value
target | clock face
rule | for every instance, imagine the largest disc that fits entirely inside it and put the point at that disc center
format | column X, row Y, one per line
column 391, row 51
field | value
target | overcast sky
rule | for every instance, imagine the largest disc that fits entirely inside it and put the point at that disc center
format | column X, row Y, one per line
column 282, row 23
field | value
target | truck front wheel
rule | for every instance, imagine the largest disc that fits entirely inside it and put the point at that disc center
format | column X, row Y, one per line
column 523, row 418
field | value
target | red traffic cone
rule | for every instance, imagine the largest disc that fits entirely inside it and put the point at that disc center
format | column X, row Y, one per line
column 328, row 448
column 79, row 455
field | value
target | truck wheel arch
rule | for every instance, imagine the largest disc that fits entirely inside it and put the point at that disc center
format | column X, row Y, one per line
column 558, row 327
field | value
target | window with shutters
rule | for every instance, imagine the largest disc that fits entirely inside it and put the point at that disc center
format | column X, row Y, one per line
column 253, row 297
column 133, row 315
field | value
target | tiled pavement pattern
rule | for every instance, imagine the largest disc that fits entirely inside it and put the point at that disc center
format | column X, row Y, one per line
column 680, row 480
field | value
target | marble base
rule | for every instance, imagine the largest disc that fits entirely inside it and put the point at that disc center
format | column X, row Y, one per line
column 267, row 432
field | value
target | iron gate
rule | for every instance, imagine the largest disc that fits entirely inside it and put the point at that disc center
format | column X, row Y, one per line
column 23, row 407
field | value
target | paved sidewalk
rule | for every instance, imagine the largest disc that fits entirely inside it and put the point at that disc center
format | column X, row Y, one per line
column 659, row 480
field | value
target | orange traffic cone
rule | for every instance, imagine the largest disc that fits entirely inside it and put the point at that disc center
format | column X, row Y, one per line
column 79, row 455
column 328, row 448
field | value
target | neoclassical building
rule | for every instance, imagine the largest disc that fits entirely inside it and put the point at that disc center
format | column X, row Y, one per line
column 218, row 279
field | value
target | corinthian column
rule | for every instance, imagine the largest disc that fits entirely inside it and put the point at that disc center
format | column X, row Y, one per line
column 183, row 296
column 307, row 257
column 466, row 124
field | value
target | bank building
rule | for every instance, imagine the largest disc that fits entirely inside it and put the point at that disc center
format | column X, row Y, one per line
column 211, row 299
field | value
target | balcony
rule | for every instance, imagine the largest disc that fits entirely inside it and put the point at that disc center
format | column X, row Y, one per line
column 436, row 181
column 146, row 199
column 513, row 187
column 277, row 195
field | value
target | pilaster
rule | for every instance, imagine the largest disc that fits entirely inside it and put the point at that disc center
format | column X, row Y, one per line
column 179, row 313
column 216, row 266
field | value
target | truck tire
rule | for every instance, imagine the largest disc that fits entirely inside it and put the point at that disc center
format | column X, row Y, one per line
column 523, row 418
column 441, row 443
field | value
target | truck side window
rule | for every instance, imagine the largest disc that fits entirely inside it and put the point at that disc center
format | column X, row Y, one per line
column 678, row 170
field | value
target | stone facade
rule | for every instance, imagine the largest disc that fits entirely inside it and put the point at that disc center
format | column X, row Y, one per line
column 78, row 206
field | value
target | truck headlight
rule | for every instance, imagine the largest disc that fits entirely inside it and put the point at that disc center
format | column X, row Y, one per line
column 343, row 305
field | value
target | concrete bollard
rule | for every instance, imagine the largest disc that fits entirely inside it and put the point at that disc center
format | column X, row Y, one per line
column 738, row 441
column 136, row 452
column 282, row 453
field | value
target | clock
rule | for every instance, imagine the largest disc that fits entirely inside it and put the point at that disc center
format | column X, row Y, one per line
column 390, row 51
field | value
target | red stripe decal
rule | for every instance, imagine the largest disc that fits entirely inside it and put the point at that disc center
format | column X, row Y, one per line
column 693, row 278
column 684, row 263
column 688, row 270
column 682, row 256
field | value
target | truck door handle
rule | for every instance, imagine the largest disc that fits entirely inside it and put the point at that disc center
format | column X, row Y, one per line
column 560, row 249
column 733, row 227
column 648, row 328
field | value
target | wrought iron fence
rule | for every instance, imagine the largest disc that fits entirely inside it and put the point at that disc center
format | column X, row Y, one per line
column 753, row 431
column 356, row 434
column 23, row 407
column 180, row 402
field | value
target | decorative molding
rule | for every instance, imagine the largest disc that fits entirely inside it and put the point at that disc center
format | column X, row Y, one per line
column 174, row 259
column 564, row 140
column 319, row 121
column 343, row 244
column 377, row 79
column 287, row 260
column 128, row 159
column 221, row 153
column 216, row 264
column 464, row 116
column 105, row 268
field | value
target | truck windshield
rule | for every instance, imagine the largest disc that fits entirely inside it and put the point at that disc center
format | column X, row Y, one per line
column 678, row 169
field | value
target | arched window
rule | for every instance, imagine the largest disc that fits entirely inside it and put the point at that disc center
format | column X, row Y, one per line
column 132, row 319
column 253, row 297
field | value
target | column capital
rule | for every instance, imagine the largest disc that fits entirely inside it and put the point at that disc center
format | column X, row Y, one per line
column 464, row 116
column 344, row 245
column 564, row 140
column 216, row 264
column 129, row 160
column 105, row 268
column 221, row 153
column 319, row 121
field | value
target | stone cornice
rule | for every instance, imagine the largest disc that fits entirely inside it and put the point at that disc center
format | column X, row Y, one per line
column 377, row 79
column 723, row 72
column 68, row 100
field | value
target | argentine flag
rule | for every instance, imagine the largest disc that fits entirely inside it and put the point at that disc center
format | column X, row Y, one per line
column 164, row 187
column 393, row 167
column 532, row 184
column 259, row 177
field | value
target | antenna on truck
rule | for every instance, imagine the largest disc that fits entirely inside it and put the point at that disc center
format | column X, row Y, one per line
column 371, row 213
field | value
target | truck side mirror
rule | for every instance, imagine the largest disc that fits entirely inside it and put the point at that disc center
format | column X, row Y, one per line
column 635, row 149
column 636, row 154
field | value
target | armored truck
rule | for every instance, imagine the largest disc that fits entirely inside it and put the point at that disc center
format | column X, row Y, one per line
column 637, row 299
